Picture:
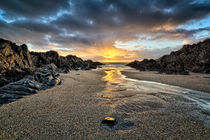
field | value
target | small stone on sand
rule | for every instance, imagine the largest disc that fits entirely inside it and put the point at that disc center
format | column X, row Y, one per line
column 110, row 121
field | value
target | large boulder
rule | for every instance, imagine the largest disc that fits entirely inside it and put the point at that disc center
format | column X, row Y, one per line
column 47, row 76
column 15, row 62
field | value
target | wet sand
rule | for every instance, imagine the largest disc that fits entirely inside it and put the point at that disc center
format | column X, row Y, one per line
column 75, row 109
column 200, row 82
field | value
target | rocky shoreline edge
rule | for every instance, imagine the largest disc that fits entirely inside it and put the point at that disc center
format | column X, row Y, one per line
column 24, row 73
column 190, row 58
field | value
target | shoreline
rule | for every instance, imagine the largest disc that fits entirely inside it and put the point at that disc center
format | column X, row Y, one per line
column 194, row 81
column 75, row 109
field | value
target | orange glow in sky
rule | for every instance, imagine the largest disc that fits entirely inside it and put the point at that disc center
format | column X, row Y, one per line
column 104, row 54
column 110, row 53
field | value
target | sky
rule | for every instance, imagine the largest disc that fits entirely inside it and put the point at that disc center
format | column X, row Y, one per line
column 105, row 30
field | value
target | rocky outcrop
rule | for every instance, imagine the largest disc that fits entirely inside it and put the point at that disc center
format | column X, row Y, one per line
column 76, row 63
column 15, row 62
column 195, row 57
column 190, row 58
column 43, row 78
column 145, row 65
column 92, row 64
column 37, row 71
column 172, row 64
column 40, row 59
column 69, row 62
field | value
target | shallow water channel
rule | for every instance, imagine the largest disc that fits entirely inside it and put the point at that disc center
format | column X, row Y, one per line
column 129, row 96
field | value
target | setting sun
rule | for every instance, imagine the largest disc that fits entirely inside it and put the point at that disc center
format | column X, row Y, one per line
column 104, row 54
column 110, row 53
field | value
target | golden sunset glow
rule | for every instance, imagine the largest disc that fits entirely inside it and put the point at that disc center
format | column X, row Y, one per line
column 110, row 53
column 103, row 54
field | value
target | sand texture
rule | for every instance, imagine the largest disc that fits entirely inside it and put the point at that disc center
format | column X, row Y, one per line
column 75, row 109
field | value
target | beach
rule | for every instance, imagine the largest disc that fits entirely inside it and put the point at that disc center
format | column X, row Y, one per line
column 105, row 70
column 74, row 110
column 59, row 112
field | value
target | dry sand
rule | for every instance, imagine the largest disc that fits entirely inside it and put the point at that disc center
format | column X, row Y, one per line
column 200, row 82
column 73, row 110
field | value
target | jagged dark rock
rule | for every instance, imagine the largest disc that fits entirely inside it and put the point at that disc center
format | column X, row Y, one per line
column 15, row 62
column 40, row 59
column 47, row 76
column 24, row 73
column 193, row 58
column 145, row 65
column 93, row 65
column 43, row 78
column 172, row 64
column 70, row 62
column 76, row 63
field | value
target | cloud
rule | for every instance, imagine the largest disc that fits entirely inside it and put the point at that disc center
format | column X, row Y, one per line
column 32, row 8
column 36, row 26
column 80, row 25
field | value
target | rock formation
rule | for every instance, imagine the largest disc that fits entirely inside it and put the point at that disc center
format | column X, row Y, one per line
column 15, row 62
column 145, row 65
column 93, row 65
column 69, row 62
column 193, row 58
column 43, row 78
column 24, row 73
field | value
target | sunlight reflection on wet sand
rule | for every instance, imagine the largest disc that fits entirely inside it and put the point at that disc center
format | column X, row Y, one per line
column 125, row 95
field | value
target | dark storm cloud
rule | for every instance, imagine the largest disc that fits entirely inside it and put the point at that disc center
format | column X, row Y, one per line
column 73, row 23
column 62, row 39
column 36, row 26
column 129, row 17
column 21, row 35
column 150, row 13
column 93, row 21
column 32, row 8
